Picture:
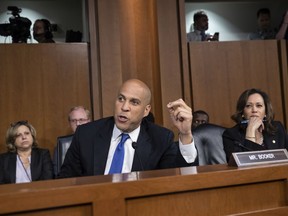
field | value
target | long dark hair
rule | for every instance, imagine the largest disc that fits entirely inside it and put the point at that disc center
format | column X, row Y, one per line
column 242, row 101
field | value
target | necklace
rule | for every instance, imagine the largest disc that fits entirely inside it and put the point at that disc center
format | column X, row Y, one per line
column 24, row 169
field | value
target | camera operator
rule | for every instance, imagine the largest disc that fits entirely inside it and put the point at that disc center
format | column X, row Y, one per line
column 42, row 31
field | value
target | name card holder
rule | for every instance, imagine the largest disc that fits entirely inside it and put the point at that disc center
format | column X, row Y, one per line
column 251, row 158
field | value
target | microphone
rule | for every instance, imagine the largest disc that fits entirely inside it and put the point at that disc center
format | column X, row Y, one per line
column 238, row 143
column 242, row 146
column 134, row 146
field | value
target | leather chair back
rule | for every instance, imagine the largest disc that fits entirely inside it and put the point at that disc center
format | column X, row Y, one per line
column 209, row 144
column 63, row 143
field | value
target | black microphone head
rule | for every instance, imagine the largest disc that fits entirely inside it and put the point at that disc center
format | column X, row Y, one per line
column 134, row 145
column 242, row 146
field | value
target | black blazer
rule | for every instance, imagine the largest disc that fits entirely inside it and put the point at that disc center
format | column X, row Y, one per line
column 234, row 140
column 41, row 166
column 88, row 152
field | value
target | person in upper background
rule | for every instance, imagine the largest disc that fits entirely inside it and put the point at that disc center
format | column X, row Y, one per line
column 78, row 115
column 42, row 31
column 200, row 26
column 199, row 117
column 255, row 127
column 283, row 33
column 264, row 31
column 108, row 145
column 24, row 161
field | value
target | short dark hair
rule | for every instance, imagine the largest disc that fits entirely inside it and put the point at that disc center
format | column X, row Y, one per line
column 241, row 103
column 47, row 28
column 263, row 11
column 198, row 15
column 200, row 112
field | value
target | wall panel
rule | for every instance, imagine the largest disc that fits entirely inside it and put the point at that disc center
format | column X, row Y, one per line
column 137, row 39
column 40, row 83
column 221, row 71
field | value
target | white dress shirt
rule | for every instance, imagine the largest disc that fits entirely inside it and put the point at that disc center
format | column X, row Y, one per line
column 22, row 175
column 188, row 151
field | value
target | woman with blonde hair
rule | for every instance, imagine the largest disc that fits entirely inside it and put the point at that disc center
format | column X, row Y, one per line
column 24, row 161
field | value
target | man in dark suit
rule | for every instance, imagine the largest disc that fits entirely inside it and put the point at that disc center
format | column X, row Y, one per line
column 148, row 146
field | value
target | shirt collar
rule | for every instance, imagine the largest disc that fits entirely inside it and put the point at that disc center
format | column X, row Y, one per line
column 133, row 135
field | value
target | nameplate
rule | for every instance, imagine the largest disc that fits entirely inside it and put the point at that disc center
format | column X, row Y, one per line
column 251, row 158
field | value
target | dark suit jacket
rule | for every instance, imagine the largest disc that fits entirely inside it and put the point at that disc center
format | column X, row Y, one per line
column 234, row 137
column 88, row 152
column 41, row 166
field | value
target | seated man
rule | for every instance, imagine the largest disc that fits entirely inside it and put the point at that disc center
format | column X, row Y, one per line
column 126, row 142
column 78, row 115
column 199, row 117
column 264, row 31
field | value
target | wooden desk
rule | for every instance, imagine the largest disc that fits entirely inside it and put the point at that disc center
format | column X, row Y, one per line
column 204, row 190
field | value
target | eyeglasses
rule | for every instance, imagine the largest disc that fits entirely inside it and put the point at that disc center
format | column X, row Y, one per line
column 81, row 121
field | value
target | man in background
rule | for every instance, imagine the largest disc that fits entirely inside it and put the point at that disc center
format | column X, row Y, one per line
column 78, row 115
column 42, row 31
column 264, row 31
column 201, row 25
column 199, row 117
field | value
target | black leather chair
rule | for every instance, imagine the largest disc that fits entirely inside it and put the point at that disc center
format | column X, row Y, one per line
column 63, row 143
column 209, row 144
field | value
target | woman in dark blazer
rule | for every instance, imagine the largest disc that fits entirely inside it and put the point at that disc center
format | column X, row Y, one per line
column 255, row 129
column 24, row 161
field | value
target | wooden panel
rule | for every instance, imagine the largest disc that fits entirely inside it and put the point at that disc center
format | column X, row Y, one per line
column 137, row 39
column 126, row 46
column 219, row 189
column 284, row 77
column 221, row 71
column 171, row 60
column 281, row 211
column 40, row 83
column 77, row 210
column 203, row 202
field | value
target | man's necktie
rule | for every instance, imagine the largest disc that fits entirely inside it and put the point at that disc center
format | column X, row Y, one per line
column 203, row 36
column 118, row 158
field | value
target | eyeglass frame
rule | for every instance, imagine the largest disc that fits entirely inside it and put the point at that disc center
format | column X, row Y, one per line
column 81, row 120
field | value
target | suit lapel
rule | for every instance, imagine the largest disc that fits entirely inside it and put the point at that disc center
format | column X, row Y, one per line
column 33, row 167
column 101, row 145
column 12, row 167
column 144, row 148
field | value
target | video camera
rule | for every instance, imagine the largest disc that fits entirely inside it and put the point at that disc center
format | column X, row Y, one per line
column 18, row 28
